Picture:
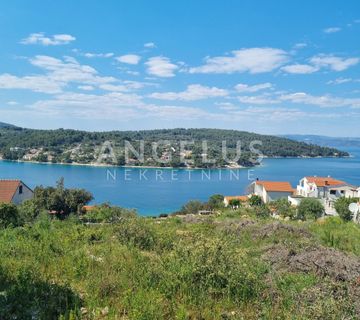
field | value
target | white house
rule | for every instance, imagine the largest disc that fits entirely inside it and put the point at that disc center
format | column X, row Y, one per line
column 14, row 191
column 271, row 190
column 324, row 188
column 352, row 192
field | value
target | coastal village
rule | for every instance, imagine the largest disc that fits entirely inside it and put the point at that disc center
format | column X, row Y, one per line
column 325, row 189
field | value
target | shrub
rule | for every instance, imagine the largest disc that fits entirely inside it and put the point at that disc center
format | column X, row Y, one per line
column 310, row 208
column 28, row 211
column 262, row 211
column 61, row 200
column 342, row 207
column 9, row 215
column 283, row 208
column 137, row 232
column 216, row 201
column 192, row 207
column 107, row 214
column 213, row 269
column 234, row 203
column 255, row 200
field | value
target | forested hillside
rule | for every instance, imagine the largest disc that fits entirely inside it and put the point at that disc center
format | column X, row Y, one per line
column 67, row 146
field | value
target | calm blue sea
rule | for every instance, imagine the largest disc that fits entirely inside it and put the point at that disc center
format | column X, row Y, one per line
column 152, row 192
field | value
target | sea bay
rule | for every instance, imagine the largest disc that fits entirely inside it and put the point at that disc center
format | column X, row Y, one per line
column 153, row 191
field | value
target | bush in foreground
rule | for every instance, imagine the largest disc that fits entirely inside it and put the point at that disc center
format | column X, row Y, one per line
column 107, row 214
column 310, row 208
column 9, row 215
column 342, row 207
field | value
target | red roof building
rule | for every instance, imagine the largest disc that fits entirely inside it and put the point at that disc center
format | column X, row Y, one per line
column 271, row 190
column 14, row 191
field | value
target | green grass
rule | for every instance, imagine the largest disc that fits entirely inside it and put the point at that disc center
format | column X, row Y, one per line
column 162, row 269
column 336, row 233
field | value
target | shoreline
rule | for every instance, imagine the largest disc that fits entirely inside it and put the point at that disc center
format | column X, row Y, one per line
column 102, row 165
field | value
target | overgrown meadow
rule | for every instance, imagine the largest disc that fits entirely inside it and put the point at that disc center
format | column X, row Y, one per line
column 235, row 265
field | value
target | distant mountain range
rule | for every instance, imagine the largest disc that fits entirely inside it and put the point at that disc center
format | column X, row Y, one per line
column 335, row 142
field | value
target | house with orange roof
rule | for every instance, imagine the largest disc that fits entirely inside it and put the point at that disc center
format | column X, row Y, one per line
column 228, row 199
column 14, row 191
column 325, row 188
column 271, row 190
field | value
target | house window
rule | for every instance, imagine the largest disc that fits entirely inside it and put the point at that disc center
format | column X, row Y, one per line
column 20, row 189
column 332, row 191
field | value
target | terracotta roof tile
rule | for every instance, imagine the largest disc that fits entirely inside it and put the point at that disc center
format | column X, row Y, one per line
column 240, row 198
column 324, row 181
column 8, row 189
column 276, row 186
column 88, row 208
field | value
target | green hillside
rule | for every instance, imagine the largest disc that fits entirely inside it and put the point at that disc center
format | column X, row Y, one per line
column 84, row 147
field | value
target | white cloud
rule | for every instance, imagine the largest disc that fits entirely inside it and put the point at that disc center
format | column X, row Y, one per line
column 125, row 86
column 98, row 55
column 252, row 60
column 12, row 103
column 81, row 103
column 332, row 30
column 242, row 87
column 300, row 69
column 55, row 40
column 114, row 105
column 150, row 45
column 325, row 101
column 129, row 59
column 133, row 73
column 86, row 88
column 267, row 114
column 262, row 99
column 69, row 70
column 300, row 45
column 61, row 74
column 322, row 101
column 161, row 67
column 35, row 83
column 339, row 81
column 113, row 87
column 58, row 74
column 193, row 92
column 333, row 62
column 227, row 106
column 178, row 112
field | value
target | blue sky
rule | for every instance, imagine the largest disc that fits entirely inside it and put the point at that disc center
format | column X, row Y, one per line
column 264, row 66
